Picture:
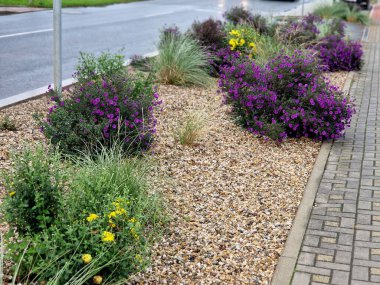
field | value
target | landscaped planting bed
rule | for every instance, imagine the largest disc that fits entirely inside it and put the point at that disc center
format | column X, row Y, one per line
column 231, row 197
column 189, row 172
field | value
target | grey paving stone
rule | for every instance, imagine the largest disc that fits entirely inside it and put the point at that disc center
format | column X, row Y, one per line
column 363, row 235
column 360, row 273
column 332, row 265
column 343, row 257
column 345, row 239
column 301, row 278
column 312, row 269
column 340, row 277
column 306, row 258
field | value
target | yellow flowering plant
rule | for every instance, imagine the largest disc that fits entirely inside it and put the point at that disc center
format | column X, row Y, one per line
column 242, row 38
column 105, row 227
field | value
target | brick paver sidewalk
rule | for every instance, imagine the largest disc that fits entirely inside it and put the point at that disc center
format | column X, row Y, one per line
column 342, row 241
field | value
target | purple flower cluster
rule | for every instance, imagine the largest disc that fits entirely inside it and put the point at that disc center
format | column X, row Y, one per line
column 105, row 111
column 221, row 57
column 287, row 98
column 338, row 54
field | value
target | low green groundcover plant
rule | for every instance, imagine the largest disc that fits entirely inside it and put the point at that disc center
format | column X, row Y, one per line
column 101, row 109
column 97, row 226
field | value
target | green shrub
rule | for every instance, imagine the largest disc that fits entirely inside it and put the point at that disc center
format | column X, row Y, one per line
column 182, row 61
column 34, row 191
column 90, row 67
column 105, row 228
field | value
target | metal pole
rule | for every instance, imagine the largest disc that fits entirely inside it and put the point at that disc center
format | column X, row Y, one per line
column 57, row 26
column 303, row 7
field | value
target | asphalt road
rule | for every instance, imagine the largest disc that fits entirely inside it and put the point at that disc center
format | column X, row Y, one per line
column 26, row 39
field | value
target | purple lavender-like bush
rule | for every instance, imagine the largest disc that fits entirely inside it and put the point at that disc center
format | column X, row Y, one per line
column 337, row 53
column 287, row 98
column 103, row 112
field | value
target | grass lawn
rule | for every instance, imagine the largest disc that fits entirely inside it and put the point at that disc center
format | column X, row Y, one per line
column 65, row 3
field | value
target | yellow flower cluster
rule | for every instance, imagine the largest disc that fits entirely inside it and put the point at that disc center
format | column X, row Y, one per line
column 12, row 193
column 238, row 42
column 119, row 211
column 86, row 258
column 139, row 258
column 97, row 279
column 92, row 217
column 108, row 236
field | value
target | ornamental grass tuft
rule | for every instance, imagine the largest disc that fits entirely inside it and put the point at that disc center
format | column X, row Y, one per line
column 182, row 61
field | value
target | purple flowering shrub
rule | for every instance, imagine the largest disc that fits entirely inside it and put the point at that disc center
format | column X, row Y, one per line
column 287, row 98
column 221, row 57
column 103, row 112
column 337, row 53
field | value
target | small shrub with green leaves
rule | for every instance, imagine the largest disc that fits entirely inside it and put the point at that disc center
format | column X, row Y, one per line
column 182, row 61
column 34, row 190
column 192, row 128
column 90, row 67
column 7, row 124
column 104, row 230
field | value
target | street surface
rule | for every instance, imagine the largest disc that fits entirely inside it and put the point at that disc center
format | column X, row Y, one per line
column 26, row 40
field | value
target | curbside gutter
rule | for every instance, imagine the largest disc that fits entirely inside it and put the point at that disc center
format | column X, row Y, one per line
column 286, row 265
column 39, row 92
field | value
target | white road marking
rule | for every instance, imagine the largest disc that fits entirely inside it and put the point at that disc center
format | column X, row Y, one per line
column 26, row 33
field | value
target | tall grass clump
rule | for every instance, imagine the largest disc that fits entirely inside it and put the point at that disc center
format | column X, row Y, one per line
column 103, row 229
column 182, row 61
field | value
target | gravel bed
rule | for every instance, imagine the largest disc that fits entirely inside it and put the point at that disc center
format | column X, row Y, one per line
column 231, row 197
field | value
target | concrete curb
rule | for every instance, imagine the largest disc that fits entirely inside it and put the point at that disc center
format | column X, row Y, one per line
column 36, row 93
column 286, row 265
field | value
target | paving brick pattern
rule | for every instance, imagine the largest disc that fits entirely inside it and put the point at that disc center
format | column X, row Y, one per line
column 342, row 240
